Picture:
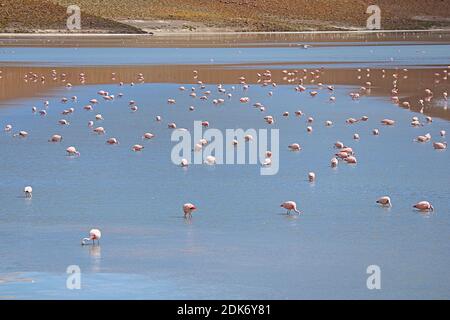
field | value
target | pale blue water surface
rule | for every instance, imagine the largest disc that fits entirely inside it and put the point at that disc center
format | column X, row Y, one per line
column 239, row 244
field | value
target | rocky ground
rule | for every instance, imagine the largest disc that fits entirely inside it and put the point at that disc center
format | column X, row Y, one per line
column 135, row 16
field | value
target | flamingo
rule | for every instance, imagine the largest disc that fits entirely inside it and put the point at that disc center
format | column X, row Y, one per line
column 267, row 162
column 28, row 191
column 350, row 160
column 99, row 130
column 148, row 135
column 424, row 138
column 210, row 160
column 248, row 137
column 424, row 206
column 112, row 141
column 290, row 205
column 440, row 145
column 334, row 162
column 388, row 122
column 137, row 147
column 55, row 138
column 385, row 201
column 184, row 163
column 94, row 234
column 294, row 147
column 21, row 134
column 338, row 145
column 72, row 151
column 188, row 208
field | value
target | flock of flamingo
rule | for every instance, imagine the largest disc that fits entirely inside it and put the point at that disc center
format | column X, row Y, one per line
column 344, row 152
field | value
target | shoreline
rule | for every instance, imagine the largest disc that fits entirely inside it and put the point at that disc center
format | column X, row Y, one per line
column 220, row 39
column 202, row 33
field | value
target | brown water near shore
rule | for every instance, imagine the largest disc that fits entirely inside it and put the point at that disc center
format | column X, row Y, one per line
column 16, row 84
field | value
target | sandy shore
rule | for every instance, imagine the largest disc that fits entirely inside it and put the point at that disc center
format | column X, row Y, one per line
column 219, row 39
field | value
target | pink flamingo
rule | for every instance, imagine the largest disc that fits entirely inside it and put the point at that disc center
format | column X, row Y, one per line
column 424, row 206
column 290, row 205
column 188, row 208
column 94, row 234
column 137, row 147
column 55, row 138
column 385, row 201
column 72, row 151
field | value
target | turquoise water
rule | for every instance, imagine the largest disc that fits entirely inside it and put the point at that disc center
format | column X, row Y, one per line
column 239, row 244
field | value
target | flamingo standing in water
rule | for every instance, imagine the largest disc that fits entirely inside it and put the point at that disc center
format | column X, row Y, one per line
column 334, row 162
column 385, row 201
column 94, row 234
column 440, row 145
column 289, row 206
column 99, row 130
column 55, row 138
column 72, row 151
column 28, row 191
column 188, row 208
column 148, row 135
column 424, row 206
column 112, row 141
column 137, row 147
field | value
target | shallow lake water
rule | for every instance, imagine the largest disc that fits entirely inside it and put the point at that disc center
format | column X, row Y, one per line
column 240, row 243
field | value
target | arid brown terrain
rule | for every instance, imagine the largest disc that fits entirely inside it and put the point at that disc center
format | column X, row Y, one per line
column 237, row 15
